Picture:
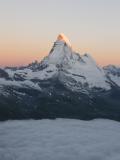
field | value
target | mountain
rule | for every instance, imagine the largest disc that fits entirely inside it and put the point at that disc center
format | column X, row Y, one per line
column 64, row 84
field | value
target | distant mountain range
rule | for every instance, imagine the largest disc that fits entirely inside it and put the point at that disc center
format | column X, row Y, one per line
column 64, row 84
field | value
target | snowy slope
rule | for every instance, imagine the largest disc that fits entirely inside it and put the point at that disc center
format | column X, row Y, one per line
column 86, row 72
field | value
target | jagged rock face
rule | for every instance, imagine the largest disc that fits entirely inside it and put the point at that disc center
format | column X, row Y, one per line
column 113, row 74
column 3, row 74
column 64, row 78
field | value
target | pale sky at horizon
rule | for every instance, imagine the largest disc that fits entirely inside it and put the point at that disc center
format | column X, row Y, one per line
column 28, row 29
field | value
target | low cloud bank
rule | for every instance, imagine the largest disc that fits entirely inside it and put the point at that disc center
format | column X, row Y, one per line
column 60, row 139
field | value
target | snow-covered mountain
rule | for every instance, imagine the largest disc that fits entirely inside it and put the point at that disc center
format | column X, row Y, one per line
column 64, row 63
column 62, row 72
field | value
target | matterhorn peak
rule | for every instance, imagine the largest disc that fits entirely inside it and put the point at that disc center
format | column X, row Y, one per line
column 60, row 53
column 62, row 37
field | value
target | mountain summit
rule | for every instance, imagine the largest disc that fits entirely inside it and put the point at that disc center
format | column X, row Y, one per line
column 61, row 52
column 62, row 37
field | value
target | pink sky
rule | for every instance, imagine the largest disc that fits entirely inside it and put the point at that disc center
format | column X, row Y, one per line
column 29, row 28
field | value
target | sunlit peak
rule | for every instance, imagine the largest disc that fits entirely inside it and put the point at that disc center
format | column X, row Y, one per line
column 62, row 37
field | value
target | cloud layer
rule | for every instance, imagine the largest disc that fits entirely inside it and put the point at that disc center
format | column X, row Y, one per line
column 60, row 139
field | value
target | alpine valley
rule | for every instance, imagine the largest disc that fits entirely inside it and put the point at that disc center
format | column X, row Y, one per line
column 64, row 84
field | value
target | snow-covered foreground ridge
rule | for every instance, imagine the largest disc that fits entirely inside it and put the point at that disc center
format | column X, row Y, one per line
column 61, row 139
column 77, row 72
